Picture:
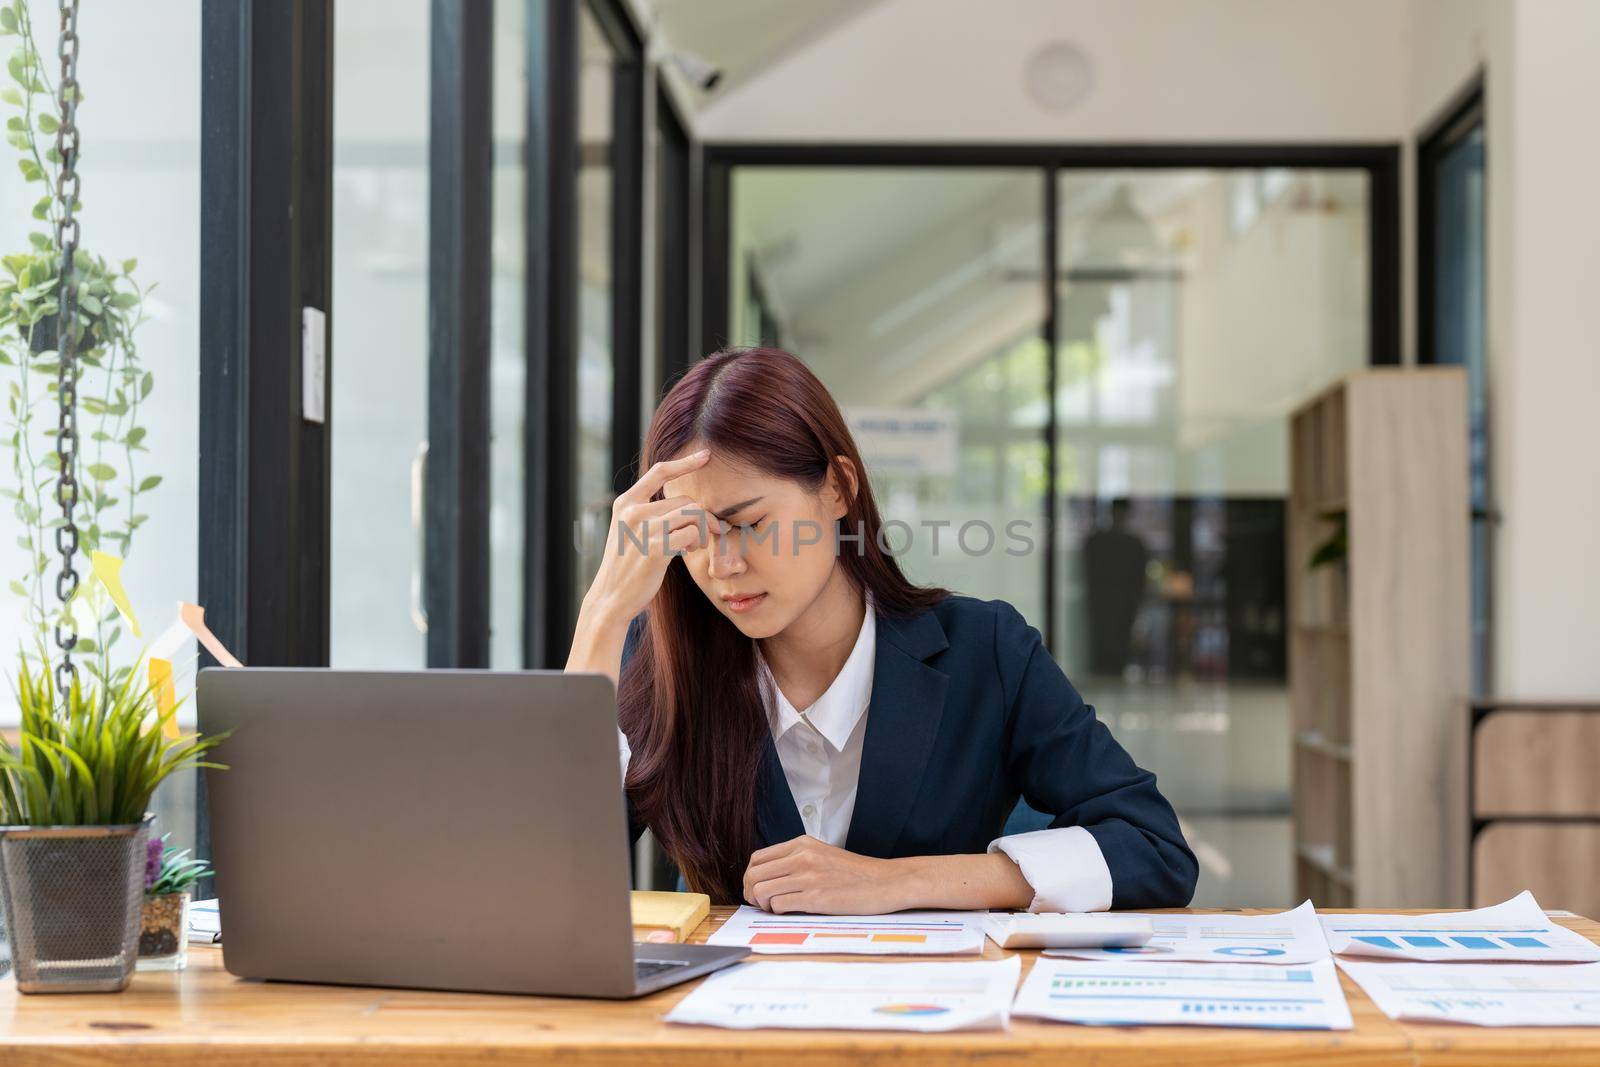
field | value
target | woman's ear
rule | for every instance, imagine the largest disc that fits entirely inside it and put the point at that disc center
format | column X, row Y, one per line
column 840, row 497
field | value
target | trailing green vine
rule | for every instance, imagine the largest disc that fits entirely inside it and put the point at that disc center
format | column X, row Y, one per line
column 113, row 382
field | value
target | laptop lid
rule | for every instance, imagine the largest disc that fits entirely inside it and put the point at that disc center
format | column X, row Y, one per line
column 440, row 829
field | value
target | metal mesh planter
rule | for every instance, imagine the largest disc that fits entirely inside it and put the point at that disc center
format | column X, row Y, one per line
column 71, row 897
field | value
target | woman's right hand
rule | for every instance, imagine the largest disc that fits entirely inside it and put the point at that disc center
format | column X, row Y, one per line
column 631, row 570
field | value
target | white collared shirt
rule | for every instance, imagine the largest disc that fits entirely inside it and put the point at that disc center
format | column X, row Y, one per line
column 820, row 750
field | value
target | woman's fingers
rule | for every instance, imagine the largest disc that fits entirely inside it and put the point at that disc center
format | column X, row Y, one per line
column 782, row 848
column 660, row 473
column 790, row 903
column 684, row 539
column 764, row 892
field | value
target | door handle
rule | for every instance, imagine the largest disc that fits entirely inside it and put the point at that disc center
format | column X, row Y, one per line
column 419, row 537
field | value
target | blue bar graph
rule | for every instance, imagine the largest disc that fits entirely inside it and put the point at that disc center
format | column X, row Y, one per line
column 1475, row 942
column 1381, row 942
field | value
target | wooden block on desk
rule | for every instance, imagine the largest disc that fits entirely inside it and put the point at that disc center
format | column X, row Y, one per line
column 674, row 913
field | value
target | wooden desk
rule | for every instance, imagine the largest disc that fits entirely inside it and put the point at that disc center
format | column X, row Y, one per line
column 203, row 1015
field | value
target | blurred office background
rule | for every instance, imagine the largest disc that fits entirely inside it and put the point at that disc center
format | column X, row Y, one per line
column 1095, row 252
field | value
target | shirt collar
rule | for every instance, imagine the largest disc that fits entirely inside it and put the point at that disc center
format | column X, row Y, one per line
column 839, row 709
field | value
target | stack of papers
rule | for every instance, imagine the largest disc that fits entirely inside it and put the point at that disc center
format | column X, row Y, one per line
column 205, row 922
column 928, row 997
column 906, row 933
column 1185, row 994
column 1514, row 930
column 1483, row 994
column 1289, row 937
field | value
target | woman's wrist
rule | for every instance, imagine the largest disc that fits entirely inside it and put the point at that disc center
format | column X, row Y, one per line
column 598, row 637
column 963, row 883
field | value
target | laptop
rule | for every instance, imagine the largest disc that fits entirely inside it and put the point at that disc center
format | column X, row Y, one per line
column 440, row 829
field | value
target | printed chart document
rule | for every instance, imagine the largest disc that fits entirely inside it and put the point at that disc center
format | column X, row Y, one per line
column 855, row 996
column 1483, row 994
column 1514, row 930
column 906, row 933
column 1287, row 937
column 1096, row 993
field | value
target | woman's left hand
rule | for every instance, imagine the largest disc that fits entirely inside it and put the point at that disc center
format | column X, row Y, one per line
column 806, row 875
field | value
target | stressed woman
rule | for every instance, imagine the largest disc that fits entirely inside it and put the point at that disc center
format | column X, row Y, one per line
column 803, row 728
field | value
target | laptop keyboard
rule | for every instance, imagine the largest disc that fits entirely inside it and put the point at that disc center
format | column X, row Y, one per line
column 643, row 969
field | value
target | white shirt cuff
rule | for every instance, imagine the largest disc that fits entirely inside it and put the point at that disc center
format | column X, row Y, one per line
column 1064, row 865
column 624, row 752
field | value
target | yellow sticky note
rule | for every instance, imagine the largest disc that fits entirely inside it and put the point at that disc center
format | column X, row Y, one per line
column 166, row 695
column 108, row 569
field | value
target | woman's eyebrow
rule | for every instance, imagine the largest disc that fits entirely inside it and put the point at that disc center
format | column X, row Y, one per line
column 727, row 512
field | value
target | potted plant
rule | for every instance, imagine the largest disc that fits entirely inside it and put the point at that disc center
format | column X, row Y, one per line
column 74, row 792
column 169, row 878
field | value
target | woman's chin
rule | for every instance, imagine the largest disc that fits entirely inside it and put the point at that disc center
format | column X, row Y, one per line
column 757, row 625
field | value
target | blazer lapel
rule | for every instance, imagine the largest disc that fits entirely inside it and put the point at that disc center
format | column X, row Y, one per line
column 902, row 725
column 777, row 819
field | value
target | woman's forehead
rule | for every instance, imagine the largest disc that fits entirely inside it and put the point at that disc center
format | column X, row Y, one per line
column 720, row 485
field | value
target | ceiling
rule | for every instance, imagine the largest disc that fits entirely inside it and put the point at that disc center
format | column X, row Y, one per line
column 742, row 37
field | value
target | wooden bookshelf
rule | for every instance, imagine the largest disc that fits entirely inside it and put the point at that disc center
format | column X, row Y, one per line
column 1379, row 642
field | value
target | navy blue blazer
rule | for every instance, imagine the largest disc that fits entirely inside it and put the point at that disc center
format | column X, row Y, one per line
column 969, row 712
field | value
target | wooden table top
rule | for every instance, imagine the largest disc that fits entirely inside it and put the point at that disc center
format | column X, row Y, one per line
column 204, row 1015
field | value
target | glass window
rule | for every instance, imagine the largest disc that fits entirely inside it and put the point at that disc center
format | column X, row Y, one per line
column 1196, row 307
column 507, row 357
column 140, row 127
column 916, row 296
column 379, row 393
column 592, row 487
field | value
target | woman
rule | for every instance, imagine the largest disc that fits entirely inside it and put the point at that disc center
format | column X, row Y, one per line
column 807, row 731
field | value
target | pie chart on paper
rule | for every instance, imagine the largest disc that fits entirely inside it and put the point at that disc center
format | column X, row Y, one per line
column 911, row 1009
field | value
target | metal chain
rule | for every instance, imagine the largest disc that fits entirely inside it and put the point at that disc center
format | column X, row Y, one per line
column 66, row 337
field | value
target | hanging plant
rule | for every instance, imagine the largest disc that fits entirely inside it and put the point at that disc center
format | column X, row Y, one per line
column 112, row 382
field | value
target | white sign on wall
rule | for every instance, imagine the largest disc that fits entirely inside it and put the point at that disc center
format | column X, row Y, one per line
column 906, row 440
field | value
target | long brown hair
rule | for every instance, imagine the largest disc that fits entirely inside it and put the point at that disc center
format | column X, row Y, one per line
column 689, row 699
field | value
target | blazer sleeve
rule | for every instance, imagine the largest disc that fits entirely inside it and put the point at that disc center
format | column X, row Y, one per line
column 636, row 826
column 1065, row 762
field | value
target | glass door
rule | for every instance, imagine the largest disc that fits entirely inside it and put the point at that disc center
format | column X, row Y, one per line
column 379, row 376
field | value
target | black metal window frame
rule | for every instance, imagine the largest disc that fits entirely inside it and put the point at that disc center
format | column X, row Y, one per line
column 1381, row 162
column 1460, row 117
column 674, row 266
column 554, row 154
column 265, row 253
column 460, row 197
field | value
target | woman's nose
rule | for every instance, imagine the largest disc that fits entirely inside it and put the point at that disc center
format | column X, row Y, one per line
column 726, row 559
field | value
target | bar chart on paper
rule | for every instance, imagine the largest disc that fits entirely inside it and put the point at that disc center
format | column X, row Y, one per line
column 1514, row 930
column 1185, row 994
column 915, row 933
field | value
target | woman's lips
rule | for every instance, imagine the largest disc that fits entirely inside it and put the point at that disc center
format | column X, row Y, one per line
column 740, row 604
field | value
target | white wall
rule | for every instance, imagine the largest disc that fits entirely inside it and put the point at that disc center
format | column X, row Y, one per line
column 1164, row 70
column 1544, row 360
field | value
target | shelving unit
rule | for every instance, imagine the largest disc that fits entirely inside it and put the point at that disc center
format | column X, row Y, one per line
column 1379, row 642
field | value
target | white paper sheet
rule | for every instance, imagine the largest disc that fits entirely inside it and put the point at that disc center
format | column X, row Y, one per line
column 1287, row 937
column 1514, row 930
column 205, row 922
column 1098, row 929
column 1483, row 994
column 1185, row 994
column 927, row 997
column 906, row 933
